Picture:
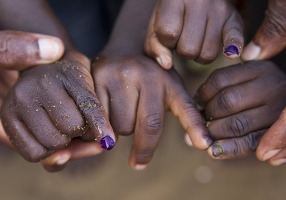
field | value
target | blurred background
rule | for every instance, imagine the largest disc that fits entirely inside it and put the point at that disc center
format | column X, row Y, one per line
column 176, row 172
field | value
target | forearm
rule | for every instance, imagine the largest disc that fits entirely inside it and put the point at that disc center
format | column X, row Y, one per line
column 32, row 16
column 129, row 32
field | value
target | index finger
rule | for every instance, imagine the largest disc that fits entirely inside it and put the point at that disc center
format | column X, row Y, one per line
column 82, row 91
column 184, row 108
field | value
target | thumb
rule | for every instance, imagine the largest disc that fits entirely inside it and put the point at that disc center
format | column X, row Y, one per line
column 270, row 38
column 155, row 49
column 20, row 50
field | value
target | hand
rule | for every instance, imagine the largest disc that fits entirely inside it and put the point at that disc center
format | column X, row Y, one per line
column 272, row 147
column 50, row 105
column 270, row 39
column 196, row 29
column 136, row 92
column 241, row 102
column 18, row 51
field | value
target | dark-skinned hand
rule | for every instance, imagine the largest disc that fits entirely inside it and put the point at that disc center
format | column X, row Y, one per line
column 195, row 29
column 270, row 39
column 52, row 105
column 240, row 103
column 136, row 92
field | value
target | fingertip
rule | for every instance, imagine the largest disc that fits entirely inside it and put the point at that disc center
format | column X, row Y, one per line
column 165, row 61
column 232, row 48
column 139, row 167
column 251, row 52
column 57, row 161
column 216, row 151
column 277, row 162
column 269, row 154
column 107, row 143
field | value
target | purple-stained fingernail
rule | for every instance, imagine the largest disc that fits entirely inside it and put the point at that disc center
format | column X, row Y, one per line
column 231, row 50
column 217, row 151
column 107, row 143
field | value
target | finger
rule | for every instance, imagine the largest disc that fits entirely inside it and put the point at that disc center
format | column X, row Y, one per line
column 43, row 129
column 23, row 140
column 4, row 138
column 19, row 50
column 103, row 97
column 235, row 147
column 63, row 112
column 212, row 41
column 123, row 108
column 149, row 126
column 155, row 49
column 90, row 107
column 270, row 38
column 230, row 76
column 233, row 38
column 274, row 139
column 184, row 108
column 169, row 22
column 278, row 159
column 76, row 150
column 193, row 33
column 237, row 98
column 242, row 123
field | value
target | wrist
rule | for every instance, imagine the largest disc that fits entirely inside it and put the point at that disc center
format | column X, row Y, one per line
column 123, row 47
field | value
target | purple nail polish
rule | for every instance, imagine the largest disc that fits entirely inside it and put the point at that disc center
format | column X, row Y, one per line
column 231, row 50
column 217, row 151
column 107, row 143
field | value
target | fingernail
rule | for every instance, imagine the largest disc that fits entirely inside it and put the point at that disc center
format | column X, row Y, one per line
column 231, row 50
column 278, row 162
column 217, row 151
column 270, row 154
column 165, row 61
column 107, row 143
column 49, row 49
column 159, row 60
column 140, row 167
column 188, row 140
column 251, row 52
column 62, row 160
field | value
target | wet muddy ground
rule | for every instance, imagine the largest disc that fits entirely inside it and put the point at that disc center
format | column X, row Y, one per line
column 176, row 172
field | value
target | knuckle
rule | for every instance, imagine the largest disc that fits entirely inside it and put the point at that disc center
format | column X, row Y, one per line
column 237, row 149
column 70, row 129
column 124, row 129
column 87, row 103
column 57, row 142
column 219, row 78
column 20, row 95
column 153, row 124
column 276, row 25
column 167, row 33
column 206, row 57
column 187, row 52
column 238, row 126
column 251, row 142
column 228, row 99
column 35, row 155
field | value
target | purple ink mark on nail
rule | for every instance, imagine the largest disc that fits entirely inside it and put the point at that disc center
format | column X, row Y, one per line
column 107, row 143
column 217, row 151
column 231, row 50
